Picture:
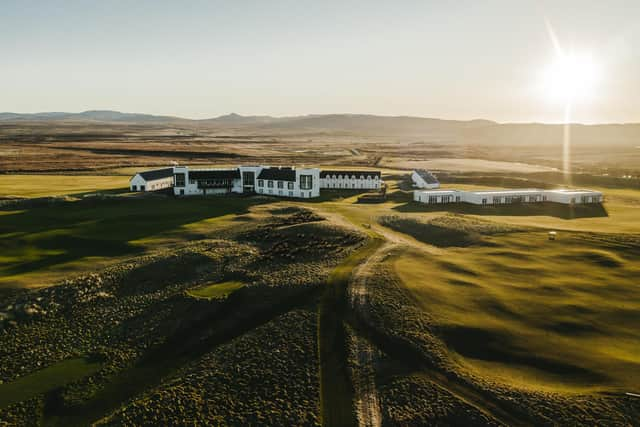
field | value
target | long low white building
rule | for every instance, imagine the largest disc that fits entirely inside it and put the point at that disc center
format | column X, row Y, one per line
column 500, row 197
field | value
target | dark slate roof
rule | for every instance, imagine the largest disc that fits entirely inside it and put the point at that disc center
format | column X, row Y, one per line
column 278, row 174
column 157, row 174
column 372, row 174
column 428, row 177
column 214, row 174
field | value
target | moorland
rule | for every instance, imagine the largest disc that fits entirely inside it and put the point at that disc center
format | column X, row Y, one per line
column 119, row 308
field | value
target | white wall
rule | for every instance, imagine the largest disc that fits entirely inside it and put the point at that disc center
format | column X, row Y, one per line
column 350, row 182
column 567, row 197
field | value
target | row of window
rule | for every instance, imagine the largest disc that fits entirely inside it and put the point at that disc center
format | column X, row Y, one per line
column 349, row 177
column 282, row 193
column 352, row 185
column 306, row 183
column 280, row 184
column 443, row 199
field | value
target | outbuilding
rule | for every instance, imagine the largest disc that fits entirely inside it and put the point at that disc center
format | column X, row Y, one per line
column 422, row 178
column 153, row 180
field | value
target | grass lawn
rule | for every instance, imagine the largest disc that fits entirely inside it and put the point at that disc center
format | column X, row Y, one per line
column 41, row 245
column 45, row 380
column 59, row 185
column 216, row 290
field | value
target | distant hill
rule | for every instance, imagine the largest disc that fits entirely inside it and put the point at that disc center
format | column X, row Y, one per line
column 464, row 131
column 92, row 115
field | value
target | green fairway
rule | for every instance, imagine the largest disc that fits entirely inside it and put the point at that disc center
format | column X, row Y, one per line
column 59, row 185
column 536, row 313
column 216, row 290
column 41, row 245
column 45, row 380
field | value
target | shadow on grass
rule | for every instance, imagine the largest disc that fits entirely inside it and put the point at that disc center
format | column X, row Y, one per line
column 539, row 209
column 42, row 237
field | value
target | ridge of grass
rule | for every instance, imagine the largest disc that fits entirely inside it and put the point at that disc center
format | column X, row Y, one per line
column 216, row 290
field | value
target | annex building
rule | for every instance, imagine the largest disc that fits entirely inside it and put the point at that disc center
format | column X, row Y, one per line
column 502, row 197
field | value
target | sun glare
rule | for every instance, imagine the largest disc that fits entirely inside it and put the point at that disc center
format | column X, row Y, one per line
column 570, row 78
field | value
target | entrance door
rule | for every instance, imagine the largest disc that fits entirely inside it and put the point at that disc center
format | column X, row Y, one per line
column 248, row 181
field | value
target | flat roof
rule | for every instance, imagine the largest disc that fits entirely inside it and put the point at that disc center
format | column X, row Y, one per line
column 507, row 192
column 570, row 191
column 437, row 191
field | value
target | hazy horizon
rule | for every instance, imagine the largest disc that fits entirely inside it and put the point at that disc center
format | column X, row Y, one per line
column 558, row 122
column 421, row 59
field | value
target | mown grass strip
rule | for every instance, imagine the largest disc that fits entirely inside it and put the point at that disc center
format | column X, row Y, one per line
column 336, row 389
column 45, row 380
column 216, row 290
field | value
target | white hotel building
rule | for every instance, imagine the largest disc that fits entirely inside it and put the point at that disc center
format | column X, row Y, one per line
column 267, row 180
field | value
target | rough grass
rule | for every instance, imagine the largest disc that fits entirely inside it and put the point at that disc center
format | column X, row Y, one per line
column 535, row 313
column 446, row 230
column 45, row 380
column 216, row 290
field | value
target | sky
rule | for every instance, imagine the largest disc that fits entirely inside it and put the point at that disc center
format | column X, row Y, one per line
column 198, row 59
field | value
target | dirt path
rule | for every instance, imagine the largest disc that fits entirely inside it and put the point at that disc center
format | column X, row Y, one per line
column 366, row 394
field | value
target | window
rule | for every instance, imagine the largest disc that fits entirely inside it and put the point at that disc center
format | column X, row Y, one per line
column 182, row 192
column 280, row 192
column 180, row 179
column 290, row 193
column 290, row 185
column 484, row 201
column 142, row 188
column 270, row 184
column 280, row 184
column 306, row 182
column 261, row 183
column 457, row 198
column 134, row 188
column 192, row 181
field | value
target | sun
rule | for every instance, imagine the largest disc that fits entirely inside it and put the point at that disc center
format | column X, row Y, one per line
column 570, row 77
